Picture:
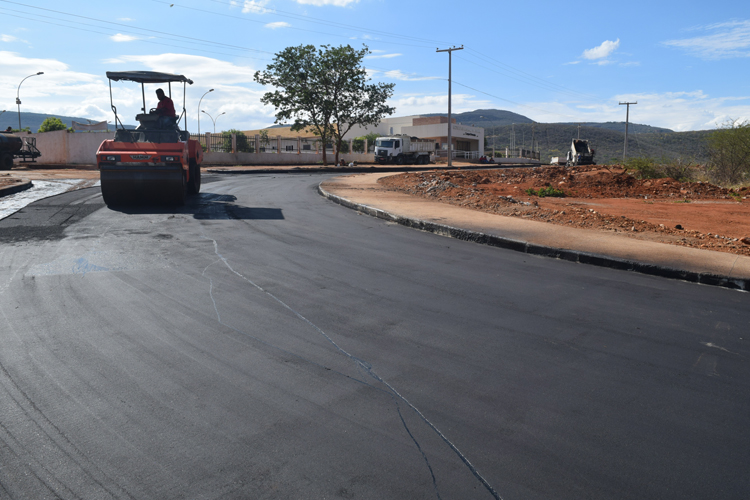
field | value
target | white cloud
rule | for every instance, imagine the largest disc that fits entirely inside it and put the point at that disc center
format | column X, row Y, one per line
column 63, row 91
column 382, row 56
column 728, row 40
column 126, row 19
column 278, row 24
column 571, row 62
column 416, row 104
column 397, row 74
column 320, row 3
column 203, row 70
column 679, row 111
column 255, row 6
column 602, row 51
column 122, row 38
column 8, row 38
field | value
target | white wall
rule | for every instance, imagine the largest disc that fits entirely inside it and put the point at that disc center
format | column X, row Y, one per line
column 64, row 148
column 383, row 128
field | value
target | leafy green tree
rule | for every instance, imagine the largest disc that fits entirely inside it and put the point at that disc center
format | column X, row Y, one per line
column 51, row 123
column 243, row 145
column 729, row 153
column 325, row 89
column 264, row 139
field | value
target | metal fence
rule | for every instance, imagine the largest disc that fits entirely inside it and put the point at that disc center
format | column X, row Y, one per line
column 228, row 143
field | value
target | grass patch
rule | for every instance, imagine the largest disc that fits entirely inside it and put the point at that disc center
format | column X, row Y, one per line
column 546, row 191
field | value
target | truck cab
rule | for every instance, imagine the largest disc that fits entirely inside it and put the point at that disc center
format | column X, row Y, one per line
column 388, row 147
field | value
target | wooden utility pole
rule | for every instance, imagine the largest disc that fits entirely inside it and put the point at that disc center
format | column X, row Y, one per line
column 450, row 124
column 627, row 119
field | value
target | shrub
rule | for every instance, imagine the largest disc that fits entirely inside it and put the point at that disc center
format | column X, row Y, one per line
column 546, row 191
column 642, row 168
column 51, row 123
column 729, row 153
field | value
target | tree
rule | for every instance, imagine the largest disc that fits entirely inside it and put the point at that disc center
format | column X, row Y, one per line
column 51, row 123
column 729, row 152
column 243, row 146
column 324, row 89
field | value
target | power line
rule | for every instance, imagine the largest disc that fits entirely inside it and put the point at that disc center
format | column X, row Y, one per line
column 140, row 39
column 531, row 77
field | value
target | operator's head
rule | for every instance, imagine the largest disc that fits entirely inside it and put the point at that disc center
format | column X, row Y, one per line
column 160, row 94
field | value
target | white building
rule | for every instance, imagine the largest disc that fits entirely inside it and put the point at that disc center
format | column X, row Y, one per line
column 465, row 138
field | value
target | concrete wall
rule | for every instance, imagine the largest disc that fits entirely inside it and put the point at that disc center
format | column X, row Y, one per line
column 64, row 148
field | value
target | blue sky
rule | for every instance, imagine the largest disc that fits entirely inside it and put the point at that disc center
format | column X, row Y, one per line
column 685, row 63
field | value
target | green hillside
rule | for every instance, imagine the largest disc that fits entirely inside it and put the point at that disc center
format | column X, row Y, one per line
column 554, row 139
column 620, row 127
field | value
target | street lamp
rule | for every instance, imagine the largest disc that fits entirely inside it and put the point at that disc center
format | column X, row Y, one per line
column 18, row 100
column 214, row 119
column 199, row 107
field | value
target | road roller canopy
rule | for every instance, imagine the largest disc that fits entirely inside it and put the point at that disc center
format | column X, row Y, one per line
column 147, row 77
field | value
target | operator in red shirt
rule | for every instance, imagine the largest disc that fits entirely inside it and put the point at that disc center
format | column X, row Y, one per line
column 165, row 108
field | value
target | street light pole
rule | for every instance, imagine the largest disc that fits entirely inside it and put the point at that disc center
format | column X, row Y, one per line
column 18, row 97
column 214, row 119
column 199, row 107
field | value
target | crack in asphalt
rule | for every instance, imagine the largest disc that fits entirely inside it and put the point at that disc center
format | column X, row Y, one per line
column 368, row 369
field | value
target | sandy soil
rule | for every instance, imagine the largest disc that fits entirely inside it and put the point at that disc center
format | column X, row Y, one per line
column 598, row 198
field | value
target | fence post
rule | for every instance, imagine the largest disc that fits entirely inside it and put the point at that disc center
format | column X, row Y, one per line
column 278, row 144
column 257, row 144
column 299, row 145
column 234, row 143
column 208, row 142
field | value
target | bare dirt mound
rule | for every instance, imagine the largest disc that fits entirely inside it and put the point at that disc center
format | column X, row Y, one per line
column 695, row 214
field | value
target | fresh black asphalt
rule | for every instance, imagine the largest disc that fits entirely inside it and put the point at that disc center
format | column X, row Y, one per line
column 264, row 342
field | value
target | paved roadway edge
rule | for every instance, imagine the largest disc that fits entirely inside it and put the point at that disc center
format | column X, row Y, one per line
column 541, row 250
column 16, row 188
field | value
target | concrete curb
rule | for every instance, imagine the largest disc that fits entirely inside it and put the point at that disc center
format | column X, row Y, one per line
column 16, row 188
column 358, row 170
column 544, row 251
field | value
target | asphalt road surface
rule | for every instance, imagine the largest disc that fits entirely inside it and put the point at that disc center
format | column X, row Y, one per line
column 263, row 342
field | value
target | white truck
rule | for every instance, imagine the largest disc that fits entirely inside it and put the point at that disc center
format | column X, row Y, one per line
column 402, row 150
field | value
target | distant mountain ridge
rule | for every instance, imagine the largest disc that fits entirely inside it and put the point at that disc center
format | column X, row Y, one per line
column 34, row 120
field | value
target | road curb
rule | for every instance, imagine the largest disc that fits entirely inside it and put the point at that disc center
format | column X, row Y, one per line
column 543, row 251
column 23, row 185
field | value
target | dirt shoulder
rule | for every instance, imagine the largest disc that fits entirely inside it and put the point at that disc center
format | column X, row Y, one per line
column 695, row 214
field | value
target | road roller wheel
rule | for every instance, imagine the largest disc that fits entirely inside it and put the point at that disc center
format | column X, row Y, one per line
column 194, row 184
column 6, row 161
column 181, row 192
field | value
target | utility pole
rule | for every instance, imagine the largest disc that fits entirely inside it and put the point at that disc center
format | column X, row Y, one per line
column 627, row 119
column 579, row 131
column 450, row 124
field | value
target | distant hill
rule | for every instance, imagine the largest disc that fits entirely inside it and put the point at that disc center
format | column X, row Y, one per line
column 620, row 127
column 554, row 140
column 486, row 117
column 34, row 120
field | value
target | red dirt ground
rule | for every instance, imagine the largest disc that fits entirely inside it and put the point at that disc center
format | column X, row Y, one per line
column 694, row 214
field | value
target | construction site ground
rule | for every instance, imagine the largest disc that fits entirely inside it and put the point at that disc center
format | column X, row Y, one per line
column 692, row 214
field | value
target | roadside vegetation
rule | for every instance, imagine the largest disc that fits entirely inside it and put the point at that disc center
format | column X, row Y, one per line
column 728, row 162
